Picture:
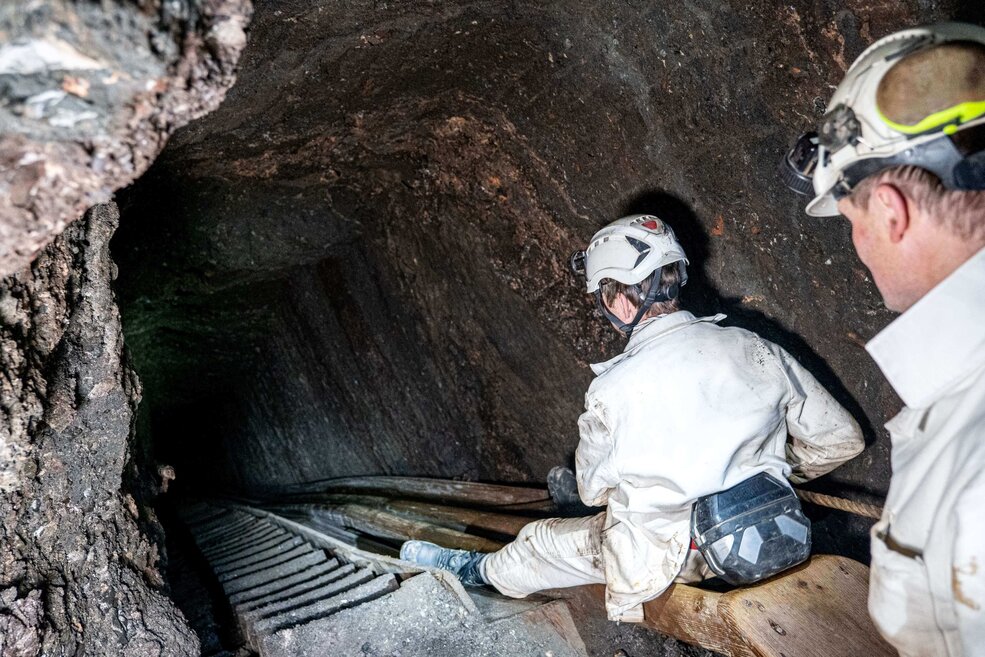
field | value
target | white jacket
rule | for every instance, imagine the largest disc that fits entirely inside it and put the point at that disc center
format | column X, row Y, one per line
column 688, row 409
column 927, row 588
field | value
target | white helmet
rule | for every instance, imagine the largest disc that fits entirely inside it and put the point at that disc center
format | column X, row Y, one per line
column 857, row 139
column 629, row 250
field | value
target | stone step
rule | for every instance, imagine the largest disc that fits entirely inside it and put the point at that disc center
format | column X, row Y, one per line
column 219, row 541
column 255, row 555
column 272, row 588
column 263, row 534
column 220, row 520
column 279, row 572
column 372, row 589
column 262, row 541
column 207, row 539
column 266, row 564
column 298, row 589
column 340, row 585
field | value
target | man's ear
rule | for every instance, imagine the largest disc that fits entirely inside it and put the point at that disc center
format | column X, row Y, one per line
column 893, row 209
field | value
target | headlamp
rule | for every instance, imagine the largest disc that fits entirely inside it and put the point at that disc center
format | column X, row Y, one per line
column 839, row 128
column 576, row 263
column 797, row 168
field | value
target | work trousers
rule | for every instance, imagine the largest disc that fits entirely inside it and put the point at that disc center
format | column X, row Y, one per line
column 562, row 552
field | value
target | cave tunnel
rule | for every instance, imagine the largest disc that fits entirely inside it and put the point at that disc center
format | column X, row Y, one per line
column 358, row 263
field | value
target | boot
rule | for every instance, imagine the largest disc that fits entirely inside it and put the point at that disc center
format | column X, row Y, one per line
column 463, row 564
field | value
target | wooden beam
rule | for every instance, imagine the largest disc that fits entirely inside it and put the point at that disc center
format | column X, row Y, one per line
column 378, row 522
column 444, row 491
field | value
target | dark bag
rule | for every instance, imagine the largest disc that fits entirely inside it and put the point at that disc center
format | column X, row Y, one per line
column 751, row 531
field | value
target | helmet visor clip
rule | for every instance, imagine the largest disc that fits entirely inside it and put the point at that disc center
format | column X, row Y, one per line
column 839, row 128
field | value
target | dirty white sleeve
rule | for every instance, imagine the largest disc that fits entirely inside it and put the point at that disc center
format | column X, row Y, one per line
column 822, row 435
column 593, row 457
column 968, row 566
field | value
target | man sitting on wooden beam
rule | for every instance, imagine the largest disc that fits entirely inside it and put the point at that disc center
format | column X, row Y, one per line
column 689, row 438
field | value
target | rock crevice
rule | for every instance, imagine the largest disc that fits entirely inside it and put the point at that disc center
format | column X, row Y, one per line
column 78, row 573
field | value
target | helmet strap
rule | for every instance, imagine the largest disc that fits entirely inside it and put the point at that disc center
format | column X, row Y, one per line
column 655, row 294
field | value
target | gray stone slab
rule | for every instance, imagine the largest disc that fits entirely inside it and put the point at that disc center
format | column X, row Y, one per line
column 393, row 624
column 223, row 527
column 297, row 589
column 297, row 578
column 256, row 554
column 273, row 574
column 340, row 585
column 371, row 590
column 263, row 534
column 424, row 618
column 210, row 539
column 266, row 564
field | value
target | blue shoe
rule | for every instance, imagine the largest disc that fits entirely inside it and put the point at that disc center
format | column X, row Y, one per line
column 463, row 564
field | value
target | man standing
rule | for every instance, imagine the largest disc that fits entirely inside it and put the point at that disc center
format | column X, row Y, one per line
column 901, row 154
column 690, row 409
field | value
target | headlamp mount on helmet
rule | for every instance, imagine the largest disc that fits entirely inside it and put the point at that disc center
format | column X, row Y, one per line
column 839, row 128
column 797, row 167
column 958, row 159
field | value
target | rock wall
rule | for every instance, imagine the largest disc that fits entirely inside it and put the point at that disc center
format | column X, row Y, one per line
column 90, row 92
column 79, row 574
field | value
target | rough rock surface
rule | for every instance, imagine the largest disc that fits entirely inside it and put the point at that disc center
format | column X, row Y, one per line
column 77, row 574
column 90, row 92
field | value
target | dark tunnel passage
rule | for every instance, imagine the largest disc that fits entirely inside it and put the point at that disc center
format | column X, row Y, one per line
column 358, row 263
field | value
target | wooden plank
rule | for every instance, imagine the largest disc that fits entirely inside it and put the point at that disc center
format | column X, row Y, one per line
column 815, row 610
column 468, row 520
column 445, row 491
column 377, row 522
column 692, row 615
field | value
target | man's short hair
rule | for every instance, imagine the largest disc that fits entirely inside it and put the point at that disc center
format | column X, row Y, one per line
column 963, row 213
column 923, row 83
column 669, row 275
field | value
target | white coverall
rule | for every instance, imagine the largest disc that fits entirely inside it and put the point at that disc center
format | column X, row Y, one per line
column 688, row 409
column 927, row 583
